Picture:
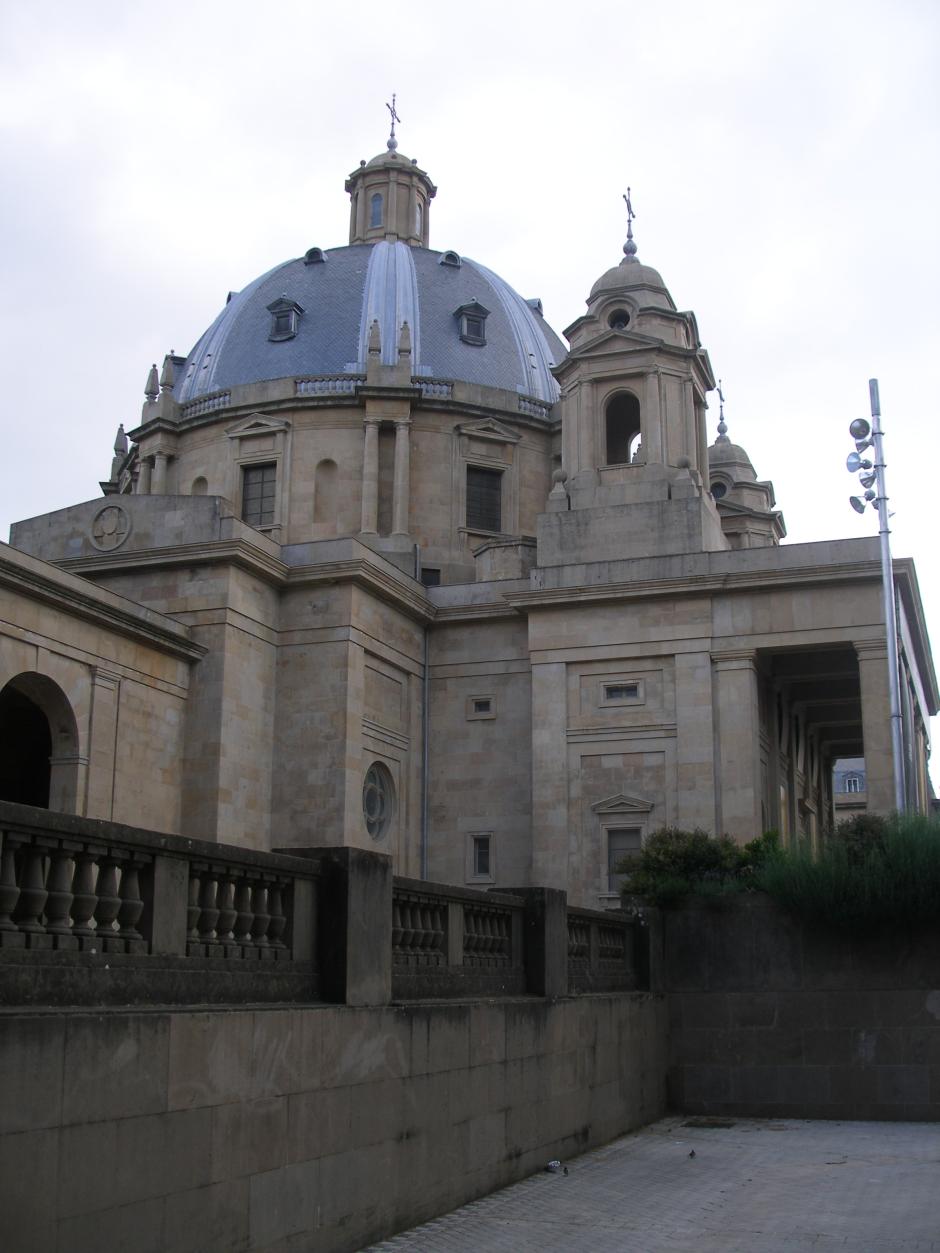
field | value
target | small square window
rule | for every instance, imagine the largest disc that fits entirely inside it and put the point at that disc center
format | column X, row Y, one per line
column 622, row 692
column 430, row 576
column 480, row 707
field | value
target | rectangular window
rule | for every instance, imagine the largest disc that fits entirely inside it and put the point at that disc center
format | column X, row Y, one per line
column 621, row 691
column 430, row 577
column 484, row 499
column 481, row 706
column 621, row 842
column 481, row 856
column 259, row 489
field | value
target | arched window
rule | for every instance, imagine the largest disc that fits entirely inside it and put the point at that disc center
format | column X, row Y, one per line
column 200, row 486
column 38, row 744
column 622, row 429
column 419, row 218
column 324, row 492
column 375, row 216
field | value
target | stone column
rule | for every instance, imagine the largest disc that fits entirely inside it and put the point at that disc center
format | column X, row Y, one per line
column 654, row 445
column 402, row 487
column 737, row 744
column 370, row 478
column 159, row 474
column 876, row 724
column 143, row 477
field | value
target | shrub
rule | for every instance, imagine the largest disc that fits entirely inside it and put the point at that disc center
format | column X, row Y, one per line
column 674, row 864
column 869, row 876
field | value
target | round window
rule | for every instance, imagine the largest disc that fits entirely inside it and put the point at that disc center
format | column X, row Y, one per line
column 619, row 320
column 718, row 490
column 378, row 800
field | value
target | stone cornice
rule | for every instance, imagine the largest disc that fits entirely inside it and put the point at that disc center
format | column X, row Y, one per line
column 692, row 584
column 96, row 605
column 233, row 552
column 372, row 578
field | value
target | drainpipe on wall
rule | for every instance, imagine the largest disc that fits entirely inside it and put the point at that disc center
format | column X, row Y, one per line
column 425, row 752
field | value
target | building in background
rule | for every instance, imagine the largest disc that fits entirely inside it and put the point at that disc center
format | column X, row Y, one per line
column 386, row 564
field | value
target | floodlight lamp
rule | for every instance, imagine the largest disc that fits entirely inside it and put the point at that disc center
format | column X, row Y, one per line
column 854, row 462
column 866, row 480
column 859, row 429
column 862, row 444
column 857, row 504
column 869, row 495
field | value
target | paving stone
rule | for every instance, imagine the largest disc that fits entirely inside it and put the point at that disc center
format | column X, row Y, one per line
column 755, row 1186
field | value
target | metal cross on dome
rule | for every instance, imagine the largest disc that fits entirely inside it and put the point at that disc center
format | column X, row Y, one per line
column 629, row 247
column 392, row 141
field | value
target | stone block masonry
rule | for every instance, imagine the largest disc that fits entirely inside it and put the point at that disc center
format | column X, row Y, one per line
column 770, row 1018
column 322, row 1127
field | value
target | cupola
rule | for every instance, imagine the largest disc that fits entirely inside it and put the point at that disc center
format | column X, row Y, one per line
column 389, row 197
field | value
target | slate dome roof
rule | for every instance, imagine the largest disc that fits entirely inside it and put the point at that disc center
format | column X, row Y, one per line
column 391, row 282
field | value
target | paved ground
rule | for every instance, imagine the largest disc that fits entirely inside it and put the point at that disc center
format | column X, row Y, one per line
column 753, row 1186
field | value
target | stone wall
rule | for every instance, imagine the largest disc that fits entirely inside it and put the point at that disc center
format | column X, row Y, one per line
column 769, row 1018
column 322, row 1126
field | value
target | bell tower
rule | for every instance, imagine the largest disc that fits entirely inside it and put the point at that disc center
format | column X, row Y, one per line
column 634, row 443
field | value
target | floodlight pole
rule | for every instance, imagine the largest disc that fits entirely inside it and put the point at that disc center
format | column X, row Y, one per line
column 890, row 608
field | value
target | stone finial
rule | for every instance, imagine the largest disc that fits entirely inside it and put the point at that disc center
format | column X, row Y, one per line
column 168, row 373
column 120, row 442
column 404, row 342
column 375, row 339
column 152, row 390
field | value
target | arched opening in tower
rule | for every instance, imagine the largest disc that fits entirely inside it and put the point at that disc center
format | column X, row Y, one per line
column 622, row 428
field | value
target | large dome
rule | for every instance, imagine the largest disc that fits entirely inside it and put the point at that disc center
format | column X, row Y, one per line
column 340, row 293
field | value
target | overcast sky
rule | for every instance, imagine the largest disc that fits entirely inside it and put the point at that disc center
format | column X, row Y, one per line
column 783, row 159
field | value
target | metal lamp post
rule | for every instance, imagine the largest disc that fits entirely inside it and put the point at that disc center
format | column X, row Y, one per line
column 870, row 436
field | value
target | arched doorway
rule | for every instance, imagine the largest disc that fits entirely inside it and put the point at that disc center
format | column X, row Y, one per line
column 38, row 744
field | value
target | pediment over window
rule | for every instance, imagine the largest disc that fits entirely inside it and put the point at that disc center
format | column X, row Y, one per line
column 623, row 804
column 257, row 424
column 491, row 430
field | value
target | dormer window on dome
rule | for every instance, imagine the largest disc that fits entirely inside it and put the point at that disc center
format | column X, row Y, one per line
column 450, row 258
column 314, row 255
column 472, row 321
column 285, row 318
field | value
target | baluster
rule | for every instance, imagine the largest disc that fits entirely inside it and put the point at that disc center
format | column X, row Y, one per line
column 59, row 899
column 396, row 925
column 426, row 936
column 84, row 897
column 208, row 910
column 407, row 934
column 32, row 892
column 192, row 910
column 132, row 904
column 9, row 890
column 109, row 900
column 438, row 929
column 227, row 911
column 278, row 921
column 244, row 912
column 259, row 928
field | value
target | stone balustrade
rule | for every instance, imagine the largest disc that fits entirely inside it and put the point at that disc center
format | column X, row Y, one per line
column 79, row 896
column 205, row 404
column 603, row 952
column 450, row 941
column 94, row 912
column 329, row 384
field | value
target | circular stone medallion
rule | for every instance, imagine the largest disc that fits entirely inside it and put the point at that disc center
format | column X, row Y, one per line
column 110, row 527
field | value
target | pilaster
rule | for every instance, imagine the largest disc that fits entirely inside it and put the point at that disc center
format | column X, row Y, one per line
column 876, row 724
column 737, row 744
